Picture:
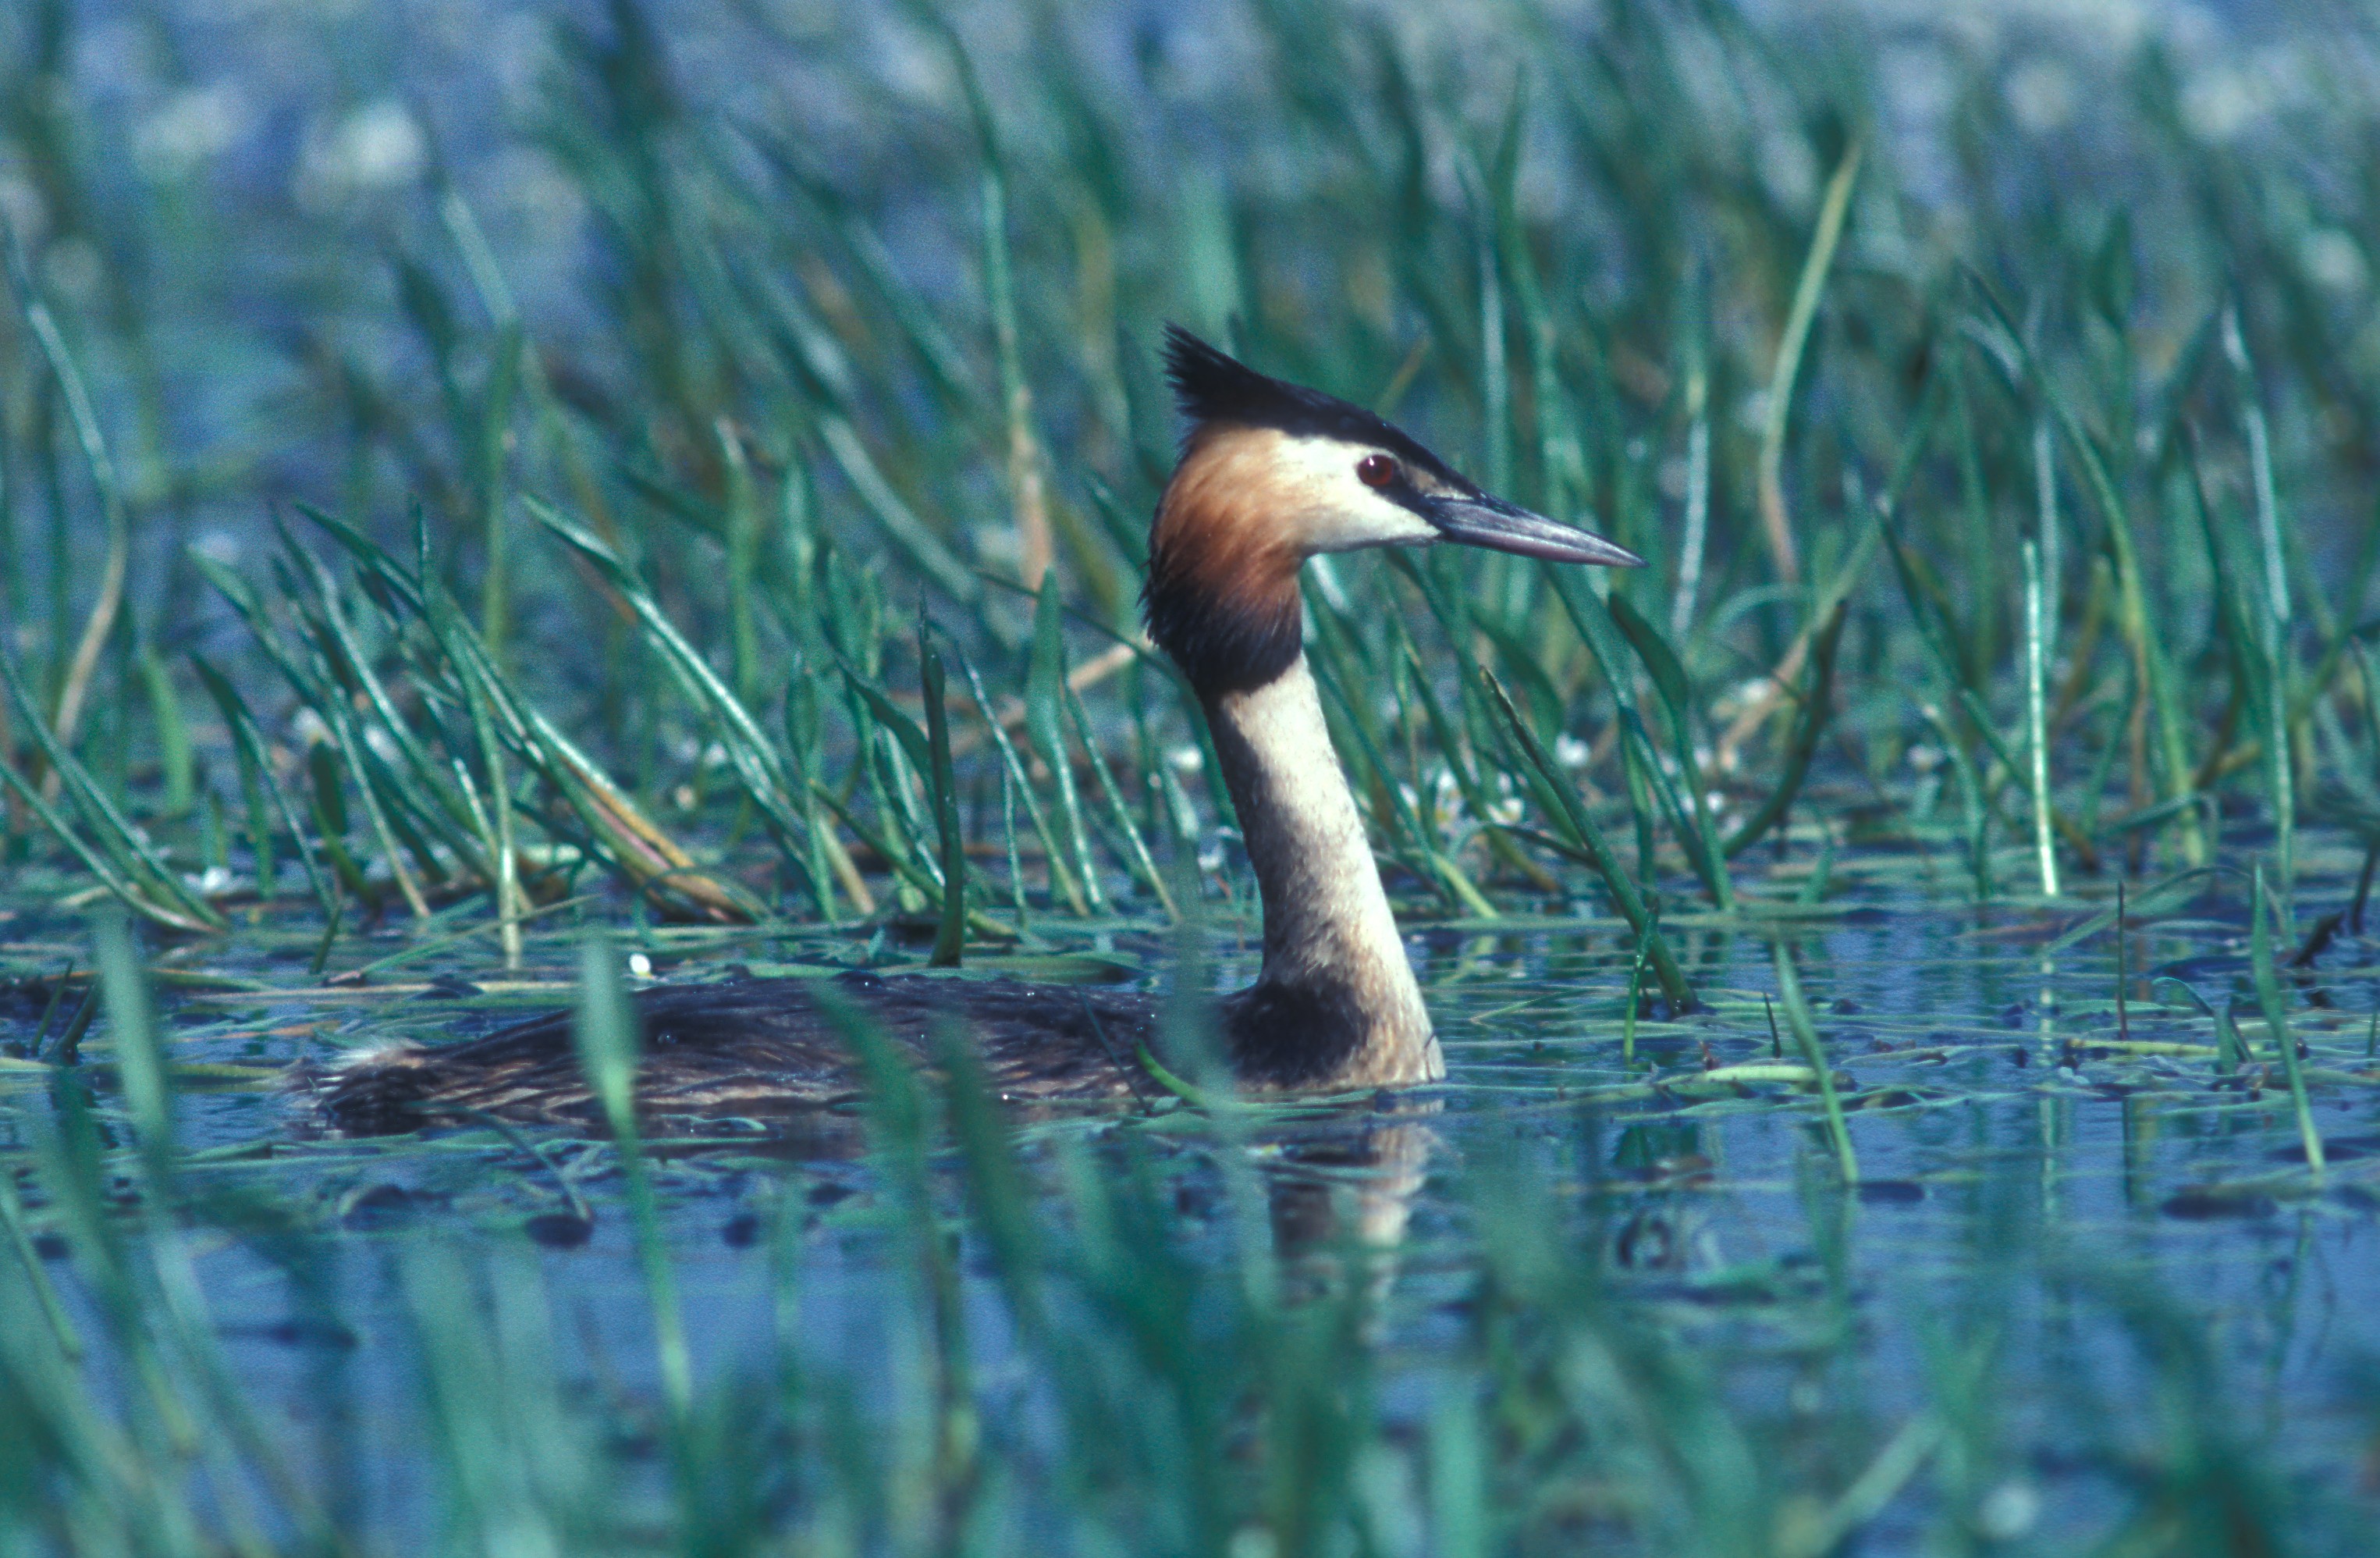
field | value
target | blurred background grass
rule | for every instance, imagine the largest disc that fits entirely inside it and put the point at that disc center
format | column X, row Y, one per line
column 815, row 316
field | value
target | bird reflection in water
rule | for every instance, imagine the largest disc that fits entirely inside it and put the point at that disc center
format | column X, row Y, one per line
column 1341, row 1196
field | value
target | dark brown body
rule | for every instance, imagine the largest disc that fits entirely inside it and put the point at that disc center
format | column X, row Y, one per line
column 754, row 1048
column 758, row 1047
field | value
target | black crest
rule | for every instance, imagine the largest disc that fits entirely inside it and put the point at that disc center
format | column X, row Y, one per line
column 1211, row 387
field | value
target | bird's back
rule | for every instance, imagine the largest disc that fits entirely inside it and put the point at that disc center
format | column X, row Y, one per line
column 748, row 1047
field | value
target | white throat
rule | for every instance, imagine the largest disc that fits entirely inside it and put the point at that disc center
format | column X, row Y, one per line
column 1331, row 951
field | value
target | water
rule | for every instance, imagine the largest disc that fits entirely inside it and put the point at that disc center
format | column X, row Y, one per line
column 2100, row 1230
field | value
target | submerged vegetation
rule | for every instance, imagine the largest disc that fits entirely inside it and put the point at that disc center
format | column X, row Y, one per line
column 563, row 499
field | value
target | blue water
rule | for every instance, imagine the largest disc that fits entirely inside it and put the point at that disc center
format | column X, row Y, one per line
column 2079, row 1211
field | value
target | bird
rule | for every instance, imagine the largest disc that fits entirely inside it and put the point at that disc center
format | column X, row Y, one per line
column 1268, row 475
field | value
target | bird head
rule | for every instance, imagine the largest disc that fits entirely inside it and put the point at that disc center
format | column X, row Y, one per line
column 1272, row 473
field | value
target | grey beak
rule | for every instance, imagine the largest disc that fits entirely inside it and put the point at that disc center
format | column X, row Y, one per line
column 1503, row 527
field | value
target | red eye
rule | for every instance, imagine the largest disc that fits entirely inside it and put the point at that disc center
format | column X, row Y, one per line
column 1376, row 470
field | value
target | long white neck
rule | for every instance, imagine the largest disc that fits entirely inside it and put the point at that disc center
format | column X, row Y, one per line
column 1336, row 1004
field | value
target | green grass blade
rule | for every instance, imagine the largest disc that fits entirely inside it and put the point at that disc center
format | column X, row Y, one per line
column 1806, row 1037
column 1572, row 816
column 950, row 937
column 1809, row 725
column 1045, row 692
column 257, row 772
column 1777, row 526
column 2264, row 917
column 605, row 1031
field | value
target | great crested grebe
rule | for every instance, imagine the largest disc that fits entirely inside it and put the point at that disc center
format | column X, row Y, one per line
column 1270, row 473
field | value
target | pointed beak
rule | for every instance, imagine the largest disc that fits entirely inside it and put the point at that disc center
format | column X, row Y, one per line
column 1503, row 527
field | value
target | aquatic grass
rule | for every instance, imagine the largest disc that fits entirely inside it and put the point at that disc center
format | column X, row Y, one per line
column 1017, row 784
column 774, row 367
column 2249, row 628
column 1669, row 679
column 605, row 1034
column 1814, row 709
column 950, row 935
column 50, row 1009
column 899, row 1131
column 1170, row 1393
column 1594, row 620
column 259, row 780
column 515, row 1465
column 1044, row 695
column 1805, row 1028
column 727, row 510
column 2230, row 1049
column 1584, row 837
column 416, row 790
column 1776, row 526
column 1587, row 617
column 934, row 865
column 492, row 819
column 74, row 677
column 361, row 769
column 147, row 1289
column 140, row 1063
column 2264, row 917
column 68, row 1050
column 1135, row 846
column 1027, row 495
column 36, row 1276
column 2123, row 980
column 2037, row 722
column 2150, row 660
column 1977, row 831
column 123, row 857
column 1455, row 750
column 756, row 760
column 1635, row 993
column 453, row 666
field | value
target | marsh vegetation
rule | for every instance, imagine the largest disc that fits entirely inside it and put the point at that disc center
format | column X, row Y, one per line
column 500, row 508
